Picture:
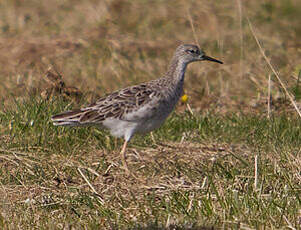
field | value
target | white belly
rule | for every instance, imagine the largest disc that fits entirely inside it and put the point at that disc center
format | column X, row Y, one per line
column 150, row 125
column 143, row 120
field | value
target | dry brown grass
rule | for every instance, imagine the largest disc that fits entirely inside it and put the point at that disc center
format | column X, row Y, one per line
column 91, row 43
column 158, row 171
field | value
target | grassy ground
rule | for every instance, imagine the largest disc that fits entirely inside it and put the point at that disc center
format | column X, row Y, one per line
column 207, row 170
column 227, row 165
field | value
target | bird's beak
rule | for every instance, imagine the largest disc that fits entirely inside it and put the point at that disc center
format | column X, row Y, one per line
column 204, row 57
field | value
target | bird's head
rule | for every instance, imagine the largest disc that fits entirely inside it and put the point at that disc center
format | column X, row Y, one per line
column 191, row 53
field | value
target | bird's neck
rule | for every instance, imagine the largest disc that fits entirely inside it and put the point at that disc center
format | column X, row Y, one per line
column 177, row 70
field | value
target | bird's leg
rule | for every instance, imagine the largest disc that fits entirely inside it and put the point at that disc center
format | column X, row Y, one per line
column 122, row 154
column 153, row 138
column 115, row 142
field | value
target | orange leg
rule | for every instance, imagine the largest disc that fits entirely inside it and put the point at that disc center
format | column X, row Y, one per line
column 123, row 157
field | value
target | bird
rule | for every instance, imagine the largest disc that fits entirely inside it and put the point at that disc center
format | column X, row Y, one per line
column 137, row 109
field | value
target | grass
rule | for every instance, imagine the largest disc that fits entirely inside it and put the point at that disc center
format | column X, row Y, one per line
column 199, row 172
column 136, row 46
column 226, row 166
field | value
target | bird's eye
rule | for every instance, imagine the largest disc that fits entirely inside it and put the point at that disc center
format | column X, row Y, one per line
column 191, row 51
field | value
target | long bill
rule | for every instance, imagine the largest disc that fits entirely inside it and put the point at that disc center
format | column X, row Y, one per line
column 211, row 59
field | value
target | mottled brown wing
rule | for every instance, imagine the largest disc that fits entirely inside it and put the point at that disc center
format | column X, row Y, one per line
column 119, row 104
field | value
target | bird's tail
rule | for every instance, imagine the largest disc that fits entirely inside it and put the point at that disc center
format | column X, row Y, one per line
column 68, row 118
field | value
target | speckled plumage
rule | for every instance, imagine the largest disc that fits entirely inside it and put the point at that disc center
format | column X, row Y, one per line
column 140, row 108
